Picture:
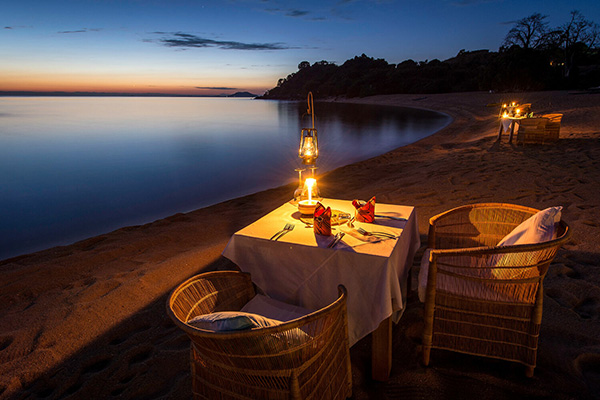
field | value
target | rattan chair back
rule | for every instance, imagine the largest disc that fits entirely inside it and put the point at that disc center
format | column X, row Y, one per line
column 483, row 299
column 532, row 130
column 553, row 126
column 539, row 129
column 306, row 358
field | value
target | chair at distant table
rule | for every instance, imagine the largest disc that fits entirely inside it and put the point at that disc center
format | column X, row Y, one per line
column 307, row 357
column 539, row 129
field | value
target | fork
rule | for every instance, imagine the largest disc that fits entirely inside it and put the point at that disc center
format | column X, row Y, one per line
column 288, row 227
column 379, row 234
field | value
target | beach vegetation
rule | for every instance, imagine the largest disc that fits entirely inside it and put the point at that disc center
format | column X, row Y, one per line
column 533, row 57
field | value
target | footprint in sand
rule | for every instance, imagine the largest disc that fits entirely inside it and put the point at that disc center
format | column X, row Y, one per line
column 141, row 356
column 42, row 388
column 177, row 343
column 588, row 365
column 588, row 222
column 121, row 386
column 97, row 289
column 564, row 270
column 562, row 297
column 97, row 365
column 588, row 308
column 5, row 341
column 129, row 334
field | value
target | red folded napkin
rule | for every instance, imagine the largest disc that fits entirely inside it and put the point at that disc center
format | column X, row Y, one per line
column 322, row 220
column 365, row 212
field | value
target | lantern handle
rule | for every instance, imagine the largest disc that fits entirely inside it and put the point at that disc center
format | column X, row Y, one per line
column 311, row 108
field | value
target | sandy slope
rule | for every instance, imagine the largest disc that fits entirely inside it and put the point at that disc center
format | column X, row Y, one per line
column 88, row 320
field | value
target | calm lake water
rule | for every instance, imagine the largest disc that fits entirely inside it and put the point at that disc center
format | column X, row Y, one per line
column 76, row 167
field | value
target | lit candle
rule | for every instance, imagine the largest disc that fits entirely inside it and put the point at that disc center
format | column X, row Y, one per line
column 310, row 182
column 308, row 206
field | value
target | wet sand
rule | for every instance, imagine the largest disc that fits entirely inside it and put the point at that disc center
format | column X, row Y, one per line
column 88, row 320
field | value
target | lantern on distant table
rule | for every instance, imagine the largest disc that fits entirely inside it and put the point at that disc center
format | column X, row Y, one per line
column 309, row 144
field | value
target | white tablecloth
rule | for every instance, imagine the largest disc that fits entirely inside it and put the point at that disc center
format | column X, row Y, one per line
column 300, row 269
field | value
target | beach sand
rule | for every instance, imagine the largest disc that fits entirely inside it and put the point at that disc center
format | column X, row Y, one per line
column 88, row 320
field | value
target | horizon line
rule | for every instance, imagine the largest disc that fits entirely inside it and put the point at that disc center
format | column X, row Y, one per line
column 116, row 94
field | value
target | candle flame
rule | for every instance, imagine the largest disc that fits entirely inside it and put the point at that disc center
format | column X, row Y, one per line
column 310, row 182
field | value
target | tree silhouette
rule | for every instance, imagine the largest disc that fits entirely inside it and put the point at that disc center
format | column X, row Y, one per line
column 303, row 64
column 533, row 57
column 529, row 32
column 577, row 35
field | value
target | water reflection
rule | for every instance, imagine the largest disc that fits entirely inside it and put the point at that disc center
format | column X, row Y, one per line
column 72, row 168
column 353, row 132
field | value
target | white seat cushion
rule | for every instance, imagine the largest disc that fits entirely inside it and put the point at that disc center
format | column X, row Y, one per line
column 231, row 321
column 274, row 309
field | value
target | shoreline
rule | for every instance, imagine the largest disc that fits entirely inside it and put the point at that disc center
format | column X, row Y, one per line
column 88, row 319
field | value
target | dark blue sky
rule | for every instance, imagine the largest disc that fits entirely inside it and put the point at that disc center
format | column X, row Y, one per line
column 209, row 47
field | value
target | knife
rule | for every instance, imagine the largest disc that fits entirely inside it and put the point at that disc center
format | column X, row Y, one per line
column 390, row 217
column 336, row 239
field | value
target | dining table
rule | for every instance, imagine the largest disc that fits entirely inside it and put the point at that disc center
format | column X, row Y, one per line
column 512, row 116
column 301, row 267
column 507, row 123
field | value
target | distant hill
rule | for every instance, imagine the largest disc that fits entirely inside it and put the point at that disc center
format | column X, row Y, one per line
column 242, row 94
column 508, row 70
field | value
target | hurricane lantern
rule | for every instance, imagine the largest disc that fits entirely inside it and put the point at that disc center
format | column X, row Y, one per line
column 309, row 144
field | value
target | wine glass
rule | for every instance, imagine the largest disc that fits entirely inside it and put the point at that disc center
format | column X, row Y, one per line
column 316, row 193
column 298, row 191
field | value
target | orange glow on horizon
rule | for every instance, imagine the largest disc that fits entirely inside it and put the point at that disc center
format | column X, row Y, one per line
column 122, row 84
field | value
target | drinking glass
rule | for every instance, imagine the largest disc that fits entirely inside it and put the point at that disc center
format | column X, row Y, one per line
column 298, row 191
column 316, row 193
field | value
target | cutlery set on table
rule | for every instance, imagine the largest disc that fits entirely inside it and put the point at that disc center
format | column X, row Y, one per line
column 323, row 218
column 287, row 228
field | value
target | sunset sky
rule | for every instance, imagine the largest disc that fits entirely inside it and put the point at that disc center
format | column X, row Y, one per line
column 213, row 47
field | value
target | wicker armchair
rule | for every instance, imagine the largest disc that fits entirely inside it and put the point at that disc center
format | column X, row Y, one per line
column 539, row 129
column 552, row 126
column 306, row 358
column 482, row 299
